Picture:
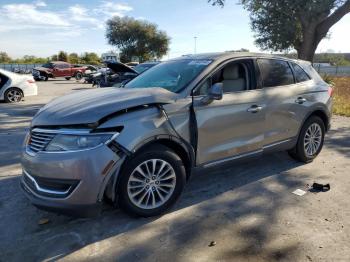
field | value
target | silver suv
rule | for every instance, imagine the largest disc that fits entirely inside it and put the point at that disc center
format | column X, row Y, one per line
column 138, row 145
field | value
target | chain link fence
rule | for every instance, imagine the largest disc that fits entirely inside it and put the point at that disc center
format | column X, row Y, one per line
column 19, row 68
column 333, row 70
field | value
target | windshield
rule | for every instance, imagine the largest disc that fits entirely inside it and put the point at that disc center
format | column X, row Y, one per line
column 143, row 67
column 48, row 65
column 172, row 75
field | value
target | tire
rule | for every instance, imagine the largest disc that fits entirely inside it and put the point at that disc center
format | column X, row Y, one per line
column 165, row 196
column 13, row 95
column 312, row 133
column 67, row 78
column 78, row 76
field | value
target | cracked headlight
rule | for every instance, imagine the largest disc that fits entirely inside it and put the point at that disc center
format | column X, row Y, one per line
column 77, row 142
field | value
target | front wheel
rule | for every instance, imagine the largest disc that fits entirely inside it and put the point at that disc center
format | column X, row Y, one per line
column 310, row 141
column 13, row 95
column 151, row 182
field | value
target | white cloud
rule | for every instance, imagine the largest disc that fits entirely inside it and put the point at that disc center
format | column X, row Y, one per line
column 81, row 14
column 36, row 15
column 110, row 9
column 29, row 15
column 40, row 3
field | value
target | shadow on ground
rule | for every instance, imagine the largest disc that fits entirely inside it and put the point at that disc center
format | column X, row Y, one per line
column 202, row 208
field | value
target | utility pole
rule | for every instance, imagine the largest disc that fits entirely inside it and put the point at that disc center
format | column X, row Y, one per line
column 195, row 44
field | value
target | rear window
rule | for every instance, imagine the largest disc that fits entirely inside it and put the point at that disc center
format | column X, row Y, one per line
column 275, row 72
column 299, row 73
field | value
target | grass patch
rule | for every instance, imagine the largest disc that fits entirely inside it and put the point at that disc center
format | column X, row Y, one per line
column 341, row 95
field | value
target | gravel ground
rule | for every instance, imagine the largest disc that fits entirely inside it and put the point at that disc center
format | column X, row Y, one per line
column 248, row 210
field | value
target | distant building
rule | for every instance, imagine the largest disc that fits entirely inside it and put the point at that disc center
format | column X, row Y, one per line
column 110, row 57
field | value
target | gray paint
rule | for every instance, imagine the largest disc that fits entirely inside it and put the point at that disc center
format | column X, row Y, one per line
column 226, row 128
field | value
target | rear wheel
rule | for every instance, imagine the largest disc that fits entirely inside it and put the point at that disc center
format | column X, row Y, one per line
column 151, row 182
column 13, row 95
column 310, row 141
column 78, row 76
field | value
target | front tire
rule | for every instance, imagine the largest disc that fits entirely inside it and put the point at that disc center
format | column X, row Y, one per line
column 151, row 182
column 310, row 141
column 13, row 95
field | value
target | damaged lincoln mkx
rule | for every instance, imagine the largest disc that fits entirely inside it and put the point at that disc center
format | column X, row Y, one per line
column 138, row 145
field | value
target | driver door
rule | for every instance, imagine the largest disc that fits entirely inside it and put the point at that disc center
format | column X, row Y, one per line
column 233, row 126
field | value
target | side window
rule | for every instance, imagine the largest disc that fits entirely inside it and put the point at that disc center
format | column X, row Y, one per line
column 275, row 72
column 299, row 73
column 235, row 77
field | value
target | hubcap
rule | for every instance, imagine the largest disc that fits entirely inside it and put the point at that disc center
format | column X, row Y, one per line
column 14, row 96
column 312, row 139
column 151, row 184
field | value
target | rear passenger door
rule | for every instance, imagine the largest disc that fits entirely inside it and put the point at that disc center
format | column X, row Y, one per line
column 283, row 98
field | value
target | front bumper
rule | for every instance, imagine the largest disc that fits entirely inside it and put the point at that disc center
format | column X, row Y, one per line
column 68, row 182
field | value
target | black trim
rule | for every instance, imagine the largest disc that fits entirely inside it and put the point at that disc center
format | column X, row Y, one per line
column 50, row 184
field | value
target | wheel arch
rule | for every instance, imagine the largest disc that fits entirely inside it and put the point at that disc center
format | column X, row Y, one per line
column 321, row 114
column 184, row 151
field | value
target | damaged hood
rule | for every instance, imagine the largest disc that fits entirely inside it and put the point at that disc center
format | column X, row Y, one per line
column 88, row 107
column 40, row 68
column 121, row 68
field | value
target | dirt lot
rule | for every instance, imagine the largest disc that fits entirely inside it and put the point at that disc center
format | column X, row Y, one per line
column 248, row 209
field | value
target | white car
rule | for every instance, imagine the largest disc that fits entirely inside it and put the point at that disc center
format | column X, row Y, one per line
column 13, row 87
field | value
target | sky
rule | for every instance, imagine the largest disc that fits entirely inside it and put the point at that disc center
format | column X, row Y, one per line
column 44, row 27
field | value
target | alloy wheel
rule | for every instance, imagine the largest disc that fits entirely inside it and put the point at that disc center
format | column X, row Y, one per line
column 312, row 139
column 151, row 184
column 14, row 95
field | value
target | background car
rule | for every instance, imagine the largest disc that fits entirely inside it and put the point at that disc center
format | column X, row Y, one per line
column 13, row 87
column 120, row 73
column 58, row 69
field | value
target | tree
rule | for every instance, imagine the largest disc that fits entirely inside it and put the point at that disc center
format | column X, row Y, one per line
column 54, row 58
column 90, row 58
column 4, row 57
column 62, row 56
column 299, row 24
column 136, row 38
column 73, row 58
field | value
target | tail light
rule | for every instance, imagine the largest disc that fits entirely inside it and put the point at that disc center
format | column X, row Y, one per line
column 30, row 81
column 330, row 91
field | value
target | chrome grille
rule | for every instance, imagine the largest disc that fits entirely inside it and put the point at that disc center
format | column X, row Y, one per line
column 39, row 140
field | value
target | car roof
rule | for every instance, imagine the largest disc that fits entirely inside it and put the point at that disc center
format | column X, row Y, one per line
column 231, row 54
column 58, row 62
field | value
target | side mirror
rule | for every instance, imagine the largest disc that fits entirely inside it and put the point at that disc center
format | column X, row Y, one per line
column 214, row 93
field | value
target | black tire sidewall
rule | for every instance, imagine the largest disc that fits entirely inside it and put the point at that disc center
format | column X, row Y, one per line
column 78, row 76
column 160, row 152
column 300, row 146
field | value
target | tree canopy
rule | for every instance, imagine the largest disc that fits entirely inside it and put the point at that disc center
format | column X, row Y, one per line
column 136, row 38
column 286, row 24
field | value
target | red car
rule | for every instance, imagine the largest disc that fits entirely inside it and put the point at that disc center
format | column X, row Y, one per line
column 58, row 69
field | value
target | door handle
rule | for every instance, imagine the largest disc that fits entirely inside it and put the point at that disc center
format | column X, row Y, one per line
column 300, row 100
column 254, row 109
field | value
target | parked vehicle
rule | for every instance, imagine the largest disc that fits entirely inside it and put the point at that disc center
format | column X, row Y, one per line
column 58, row 69
column 13, row 87
column 138, row 145
column 119, row 73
